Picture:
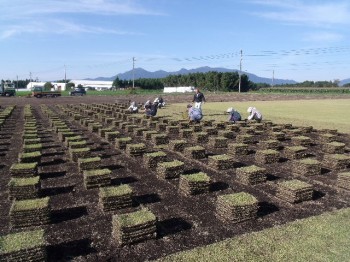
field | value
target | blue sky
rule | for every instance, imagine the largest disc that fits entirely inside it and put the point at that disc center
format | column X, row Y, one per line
column 295, row 39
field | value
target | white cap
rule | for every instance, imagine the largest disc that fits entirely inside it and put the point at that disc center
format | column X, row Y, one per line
column 156, row 100
column 229, row 110
column 250, row 109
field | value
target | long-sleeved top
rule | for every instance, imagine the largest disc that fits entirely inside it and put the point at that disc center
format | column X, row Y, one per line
column 255, row 115
column 198, row 97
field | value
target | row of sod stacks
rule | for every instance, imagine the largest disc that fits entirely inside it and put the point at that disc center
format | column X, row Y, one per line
column 97, row 177
column 251, row 175
column 134, row 227
column 294, row 191
column 236, row 207
column 23, row 246
column 306, row 167
column 171, row 169
column 343, row 180
column 336, row 161
column 221, row 162
column 115, row 197
column 30, row 212
column 194, row 184
column 24, row 188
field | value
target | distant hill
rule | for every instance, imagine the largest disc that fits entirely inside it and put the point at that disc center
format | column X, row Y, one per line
column 344, row 82
column 142, row 73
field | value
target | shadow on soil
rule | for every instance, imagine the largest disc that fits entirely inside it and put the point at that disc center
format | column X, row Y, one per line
column 58, row 216
column 67, row 251
column 172, row 225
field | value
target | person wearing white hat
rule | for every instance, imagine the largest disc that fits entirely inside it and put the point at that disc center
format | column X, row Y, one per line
column 133, row 107
column 234, row 115
column 254, row 114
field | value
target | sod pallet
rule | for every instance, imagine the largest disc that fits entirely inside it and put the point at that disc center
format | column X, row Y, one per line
column 294, row 191
column 267, row 156
column 270, row 144
column 89, row 163
column 32, row 148
column 196, row 152
column 170, row 169
column 245, row 139
column 76, row 153
column 237, row 207
column 295, row 152
column 23, row 246
column 160, row 139
column 78, row 144
column 30, row 212
column 200, row 137
column 221, row 162
column 301, row 140
column 186, row 133
column 218, row 142
column 112, row 198
column 172, row 130
column 194, row 184
column 343, row 180
column 135, row 149
column 24, row 188
column 306, row 167
column 120, row 143
column 72, row 139
column 97, row 178
column 336, row 161
column 151, row 160
column 251, row 175
column 334, row 148
column 29, row 157
column 24, row 169
column 134, row 227
column 237, row 149
column 110, row 136
column 177, row 145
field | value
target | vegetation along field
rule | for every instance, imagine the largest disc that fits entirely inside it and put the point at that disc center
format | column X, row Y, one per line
column 81, row 179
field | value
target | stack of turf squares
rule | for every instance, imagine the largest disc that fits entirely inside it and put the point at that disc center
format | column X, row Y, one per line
column 251, row 175
column 295, row 152
column 171, row 169
column 343, row 180
column 270, row 144
column 337, row 161
column 196, row 152
column 30, row 157
column 134, row 227
column 294, row 191
column 24, row 169
column 177, row 145
column 89, row 163
column 238, row 149
column 194, row 184
column 24, row 188
column 267, row 156
column 23, row 246
column 135, row 149
column 97, row 178
column 334, row 148
column 307, row 167
column 236, row 207
column 31, row 212
column 115, row 197
column 301, row 140
column 151, row 160
column 221, row 162
column 218, row 142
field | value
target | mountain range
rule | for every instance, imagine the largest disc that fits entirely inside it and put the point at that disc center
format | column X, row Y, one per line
column 142, row 73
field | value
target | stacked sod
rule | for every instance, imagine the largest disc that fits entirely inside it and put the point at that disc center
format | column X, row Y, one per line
column 136, row 149
column 301, row 140
column 343, row 180
column 23, row 246
column 31, row 212
column 115, row 197
column 30, row 157
column 196, row 152
column 295, row 152
column 221, row 162
column 171, row 169
column 160, row 139
column 134, row 227
column 24, row 188
column 151, row 160
column 177, row 145
column 251, row 175
column 120, row 143
column 294, row 191
column 307, row 167
column 97, row 178
column 336, row 161
column 24, row 169
column 236, row 207
column 89, row 163
column 218, row 142
column 267, row 156
column 270, row 144
column 201, row 137
column 238, row 149
column 194, row 184
column 334, row 148
column 245, row 139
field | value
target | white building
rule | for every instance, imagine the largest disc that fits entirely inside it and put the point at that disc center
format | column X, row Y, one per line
column 56, row 86
column 179, row 89
column 98, row 85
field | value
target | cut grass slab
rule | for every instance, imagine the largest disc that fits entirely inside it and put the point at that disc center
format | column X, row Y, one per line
column 321, row 238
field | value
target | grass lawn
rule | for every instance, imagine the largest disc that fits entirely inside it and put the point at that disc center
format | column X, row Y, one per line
column 328, row 113
column 321, row 238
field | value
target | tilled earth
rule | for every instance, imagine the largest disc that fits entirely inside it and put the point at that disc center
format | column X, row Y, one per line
column 81, row 231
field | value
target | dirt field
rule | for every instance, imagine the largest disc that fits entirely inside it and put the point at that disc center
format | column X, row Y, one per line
column 80, row 231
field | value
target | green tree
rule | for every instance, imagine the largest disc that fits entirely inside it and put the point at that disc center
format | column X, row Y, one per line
column 48, row 86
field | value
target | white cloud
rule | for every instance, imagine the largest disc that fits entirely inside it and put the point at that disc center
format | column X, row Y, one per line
column 323, row 37
column 306, row 13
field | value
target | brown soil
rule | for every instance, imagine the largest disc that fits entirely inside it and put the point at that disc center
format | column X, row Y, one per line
column 79, row 229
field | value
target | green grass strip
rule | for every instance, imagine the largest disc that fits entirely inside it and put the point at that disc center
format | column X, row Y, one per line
column 21, row 241
column 29, row 204
column 136, row 218
column 239, row 199
column 115, row 191
column 24, row 181
column 197, row 177
column 322, row 238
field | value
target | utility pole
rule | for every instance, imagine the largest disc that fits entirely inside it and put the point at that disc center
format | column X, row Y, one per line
column 65, row 77
column 133, row 72
column 273, row 77
column 17, row 83
column 240, row 73
column 30, row 79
